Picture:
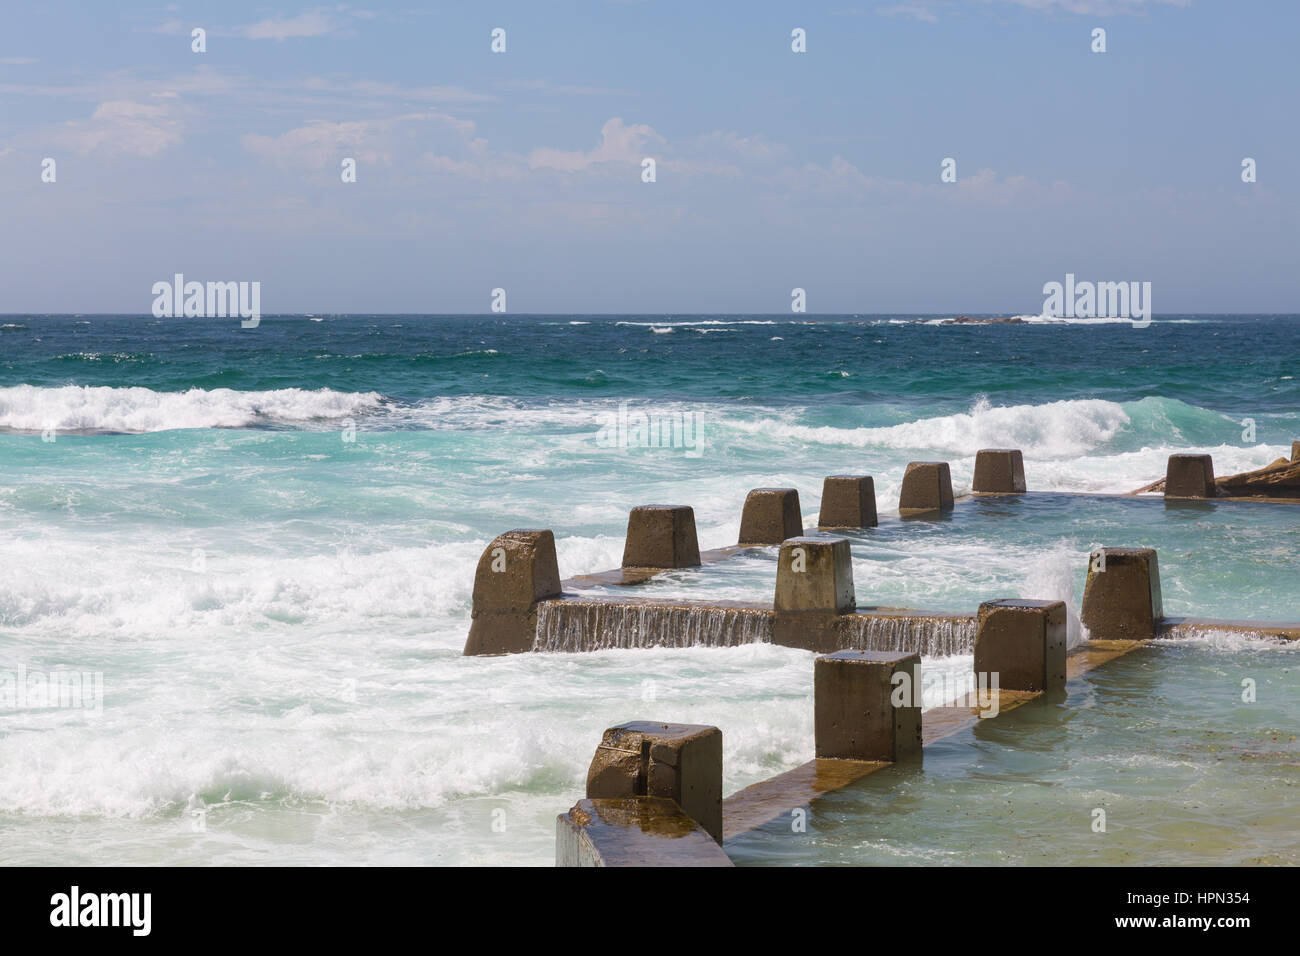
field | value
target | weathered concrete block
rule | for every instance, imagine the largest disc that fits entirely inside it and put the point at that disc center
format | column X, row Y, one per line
column 927, row 486
column 1121, row 600
column 682, row 762
column 1023, row 642
column 854, row 716
column 517, row 570
column 848, row 501
column 661, row 536
column 814, row 586
column 815, row 574
column 633, row 831
column 1189, row 476
column 999, row 471
column 771, row 515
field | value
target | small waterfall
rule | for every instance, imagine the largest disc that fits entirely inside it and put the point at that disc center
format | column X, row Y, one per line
column 569, row 625
column 928, row 635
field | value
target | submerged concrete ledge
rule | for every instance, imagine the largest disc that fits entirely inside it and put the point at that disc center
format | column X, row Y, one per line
column 867, row 716
column 633, row 831
column 761, row 803
column 1198, row 626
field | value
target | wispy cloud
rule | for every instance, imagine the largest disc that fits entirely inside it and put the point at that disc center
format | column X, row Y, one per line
column 1101, row 8
column 928, row 11
column 379, row 89
column 559, row 89
column 316, row 22
column 310, row 23
column 124, row 128
column 909, row 11
column 320, row 143
column 619, row 143
column 317, row 144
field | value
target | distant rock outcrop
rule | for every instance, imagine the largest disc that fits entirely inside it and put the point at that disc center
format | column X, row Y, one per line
column 1281, row 479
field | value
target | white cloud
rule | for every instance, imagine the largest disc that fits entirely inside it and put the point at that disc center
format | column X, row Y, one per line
column 756, row 147
column 1095, row 7
column 910, row 11
column 166, row 28
column 380, row 89
column 619, row 143
column 318, row 144
column 927, row 11
column 124, row 128
column 311, row 23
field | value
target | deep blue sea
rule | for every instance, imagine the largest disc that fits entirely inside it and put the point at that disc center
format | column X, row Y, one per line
column 264, row 540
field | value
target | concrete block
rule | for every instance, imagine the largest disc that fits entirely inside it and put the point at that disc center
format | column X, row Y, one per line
column 771, row 515
column 1189, row 476
column 1023, row 642
column 815, row 574
column 661, row 536
column 848, row 501
column 814, row 588
column 999, row 471
column 855, row 717
column 1121, row 600
column 517, row 570
column 682, row 762
column 927, row 486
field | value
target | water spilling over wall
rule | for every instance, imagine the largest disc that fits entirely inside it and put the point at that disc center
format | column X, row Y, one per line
column 928, row 634
column 592, row 625
column 589, row 625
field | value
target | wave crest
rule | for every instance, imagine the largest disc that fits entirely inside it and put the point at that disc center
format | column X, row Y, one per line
column 102, row 408
column 1062, row 429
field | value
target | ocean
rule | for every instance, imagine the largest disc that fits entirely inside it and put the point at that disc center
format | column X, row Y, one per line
column 264, row 542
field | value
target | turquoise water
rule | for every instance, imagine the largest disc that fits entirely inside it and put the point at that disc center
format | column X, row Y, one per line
column 265, row 541
column 1159, row 741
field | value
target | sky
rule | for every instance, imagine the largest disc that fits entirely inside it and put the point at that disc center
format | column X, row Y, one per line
column 774, row 169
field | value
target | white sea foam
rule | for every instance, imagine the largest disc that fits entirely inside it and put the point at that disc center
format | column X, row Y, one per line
column 396, row 730
column 684, row 322
column 97, row 408
column 1052, row 577
column 1061, row 429
column 1047, row 319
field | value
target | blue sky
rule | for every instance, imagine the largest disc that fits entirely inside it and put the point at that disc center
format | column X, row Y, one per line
column 522, row 170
